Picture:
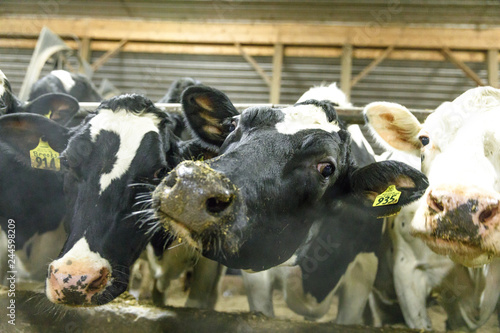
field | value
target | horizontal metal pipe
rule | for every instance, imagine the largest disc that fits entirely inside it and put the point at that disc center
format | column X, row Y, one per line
column 352, row 115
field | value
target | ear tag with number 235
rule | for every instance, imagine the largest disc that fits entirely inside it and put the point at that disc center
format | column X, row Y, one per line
column 388, row 197
column 44, row 157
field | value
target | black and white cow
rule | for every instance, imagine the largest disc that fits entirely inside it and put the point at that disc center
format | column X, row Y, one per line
column 457, row 217
column 312, row 296
column 281, row 171
column 61, row 81
column 31, row 199
column 106, row 163
column 126, row 143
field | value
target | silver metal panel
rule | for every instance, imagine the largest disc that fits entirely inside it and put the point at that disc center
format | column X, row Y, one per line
column 419, row 85
column 470, row 12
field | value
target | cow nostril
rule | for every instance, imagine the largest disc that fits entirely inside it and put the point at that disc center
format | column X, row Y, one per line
column 99, row 282
column 488, row 213
column 218, row 204
column 435, row 203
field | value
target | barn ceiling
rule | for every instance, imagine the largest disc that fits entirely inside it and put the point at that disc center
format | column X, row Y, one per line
column 386, row 12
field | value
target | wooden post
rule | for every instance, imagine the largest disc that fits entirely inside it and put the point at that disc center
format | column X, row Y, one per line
column 85, row 52
column 277, row 69
column 492, row 59
column 346, row 70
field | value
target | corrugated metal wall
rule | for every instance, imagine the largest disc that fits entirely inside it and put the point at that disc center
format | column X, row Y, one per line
column 416, row 84
column 470, row 12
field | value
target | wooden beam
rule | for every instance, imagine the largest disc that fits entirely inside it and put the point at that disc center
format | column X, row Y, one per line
column 346, row 70
column 254, row 64
column 493, row 67
column 448, row 54
column 258, row 50
column 108, row 55
column 259, row 34
column 371, row 66
column 277, row 70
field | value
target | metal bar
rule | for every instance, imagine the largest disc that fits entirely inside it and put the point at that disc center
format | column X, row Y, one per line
column 353, row 115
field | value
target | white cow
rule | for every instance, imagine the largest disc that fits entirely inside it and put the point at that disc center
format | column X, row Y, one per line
column 458, row 146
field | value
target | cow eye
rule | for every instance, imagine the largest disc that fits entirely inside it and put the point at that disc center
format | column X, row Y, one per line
column 424, row 139
column 326, row 169
column 160, row 173
column 64, row 161
column 233, row 125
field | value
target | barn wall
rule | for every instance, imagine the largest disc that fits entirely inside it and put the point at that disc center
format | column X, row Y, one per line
column 461, row 12
column 416, row 84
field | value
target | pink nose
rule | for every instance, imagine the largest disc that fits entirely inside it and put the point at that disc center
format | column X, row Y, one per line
column 71, row 285
column 461, row 202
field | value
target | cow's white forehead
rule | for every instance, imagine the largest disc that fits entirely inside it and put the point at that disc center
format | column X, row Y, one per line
column 331, row 93
column 444, row 123
column 305, row 116
column 130, row 128
column 65, row 78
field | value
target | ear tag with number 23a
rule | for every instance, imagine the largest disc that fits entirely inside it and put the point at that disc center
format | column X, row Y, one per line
column 44, row 157
column 388, row 197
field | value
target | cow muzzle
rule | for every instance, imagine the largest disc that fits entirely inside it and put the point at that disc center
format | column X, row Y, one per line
column 459, row 221
column 195, row 201
column 69, row 285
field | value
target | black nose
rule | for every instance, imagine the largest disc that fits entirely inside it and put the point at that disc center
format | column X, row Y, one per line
column 196, row 196
column 218, row 204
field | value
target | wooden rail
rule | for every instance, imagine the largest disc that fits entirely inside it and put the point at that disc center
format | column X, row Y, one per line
column 353, row 115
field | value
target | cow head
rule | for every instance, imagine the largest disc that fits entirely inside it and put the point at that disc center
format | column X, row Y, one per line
column 108, row 159
column 458, row 145
column 60, row 81
column 33, row 197
column 253, row 206
column 56, row 106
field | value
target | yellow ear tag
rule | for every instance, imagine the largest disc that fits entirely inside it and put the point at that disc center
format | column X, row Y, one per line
column 44, row 157
column 389, row 197
column 48, row 114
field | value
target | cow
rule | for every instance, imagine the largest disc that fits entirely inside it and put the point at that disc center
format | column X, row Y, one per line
column 59, row 107
column 62, row 81
column 359, row 275
column 263, row 201
column 31, row 199
column 456, row 217
column 105, row 164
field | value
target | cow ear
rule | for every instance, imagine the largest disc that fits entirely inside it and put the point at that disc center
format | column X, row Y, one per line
column 206, row 110
column 21, row 132
column 61, row 108
column 386, row 186
column 394, row 125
